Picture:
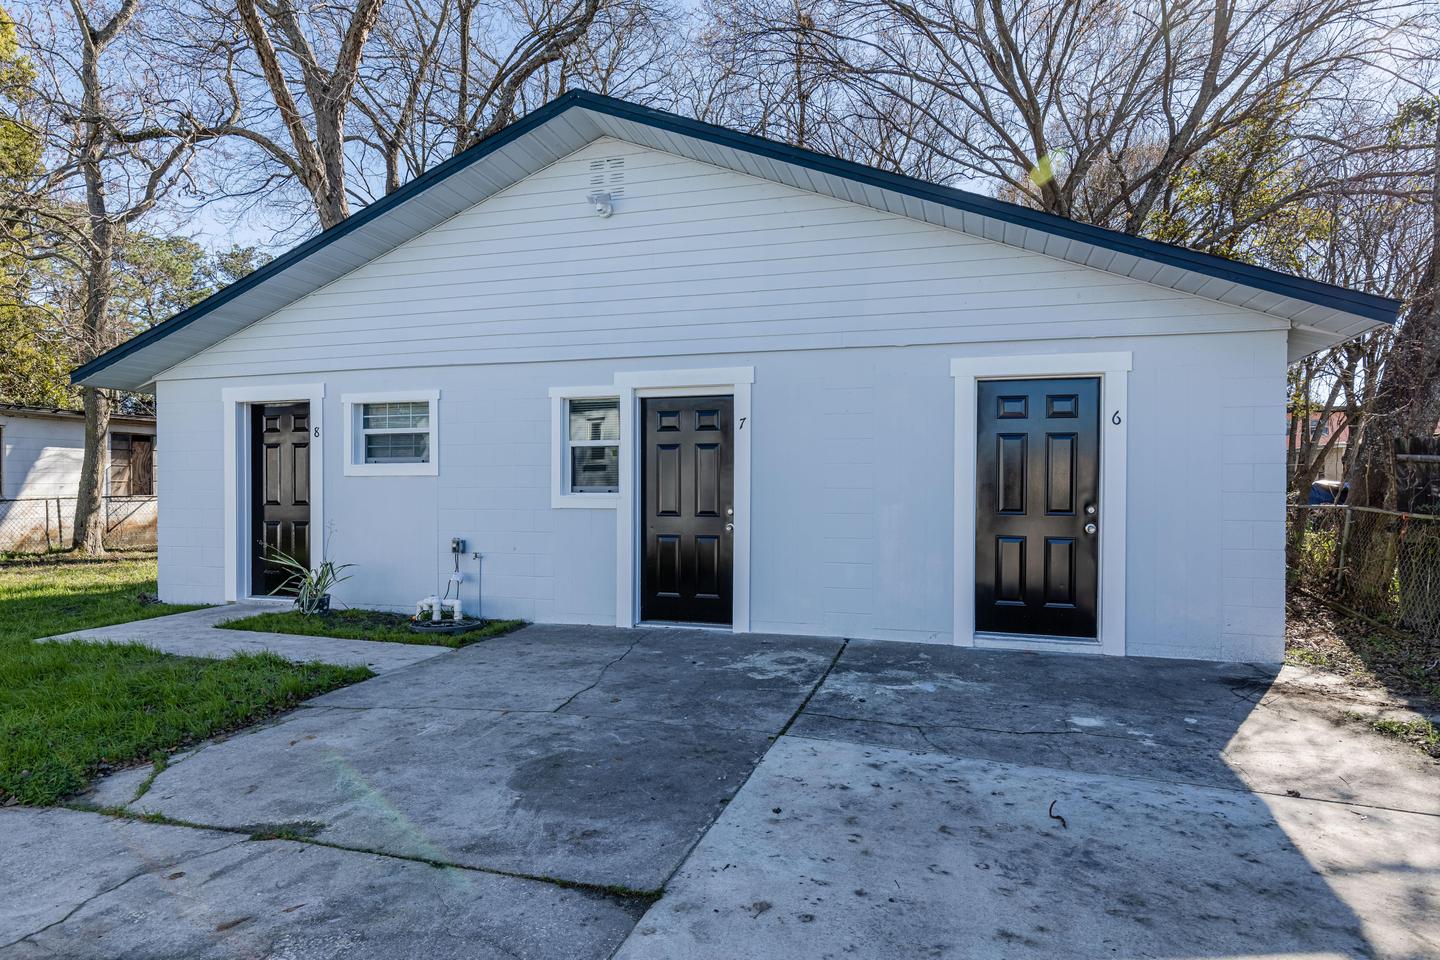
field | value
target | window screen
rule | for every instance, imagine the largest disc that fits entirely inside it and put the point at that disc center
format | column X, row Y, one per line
column 397, row 432
column 594, row 444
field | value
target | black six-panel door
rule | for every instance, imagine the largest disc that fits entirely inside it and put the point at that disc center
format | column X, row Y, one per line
column 280, row 490
column 1037, row 478
column 688, row 495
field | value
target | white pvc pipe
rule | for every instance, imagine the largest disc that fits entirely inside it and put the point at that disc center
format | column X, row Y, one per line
column 430, row 604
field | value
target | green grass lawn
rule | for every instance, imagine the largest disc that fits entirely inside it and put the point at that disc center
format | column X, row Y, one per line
column 69, row 711
column 364, row 625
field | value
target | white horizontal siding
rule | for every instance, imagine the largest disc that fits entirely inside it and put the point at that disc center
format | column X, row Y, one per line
column 696, row 259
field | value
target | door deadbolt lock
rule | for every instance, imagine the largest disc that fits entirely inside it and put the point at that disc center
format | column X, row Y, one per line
column 729, row 511
column 1090, row 510
column 1090, row 528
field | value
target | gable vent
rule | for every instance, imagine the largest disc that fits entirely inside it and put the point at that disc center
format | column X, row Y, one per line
column 607, row 175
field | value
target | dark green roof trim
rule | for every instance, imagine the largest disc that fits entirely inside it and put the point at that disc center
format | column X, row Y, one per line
column 1382, row 309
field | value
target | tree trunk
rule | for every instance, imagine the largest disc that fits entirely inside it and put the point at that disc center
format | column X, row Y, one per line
column 89, row 536
column 331, row 203
column 1405, row 402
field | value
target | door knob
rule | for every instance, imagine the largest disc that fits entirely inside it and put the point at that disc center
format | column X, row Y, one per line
column 1090, row 528
column 729, row 528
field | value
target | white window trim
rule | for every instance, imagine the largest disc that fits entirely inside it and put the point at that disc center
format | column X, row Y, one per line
column 560, row 492
column 350, row 404
column 235, row 403
column 735, row 381
column 1113, row 369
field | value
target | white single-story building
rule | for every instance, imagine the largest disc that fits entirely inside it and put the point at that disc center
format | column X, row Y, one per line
column 652, row 370
column 41, row 449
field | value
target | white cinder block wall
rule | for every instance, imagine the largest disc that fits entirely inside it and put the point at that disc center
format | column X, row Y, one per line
column 41, row 456
column 850, row 318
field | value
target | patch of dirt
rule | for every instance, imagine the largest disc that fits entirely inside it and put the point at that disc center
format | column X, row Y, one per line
column 1323, row 638
column 1419, row 732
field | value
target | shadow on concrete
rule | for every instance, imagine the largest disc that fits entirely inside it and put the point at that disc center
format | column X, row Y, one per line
column 940, row 802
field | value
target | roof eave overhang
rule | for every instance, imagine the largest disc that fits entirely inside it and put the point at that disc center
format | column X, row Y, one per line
column 73, row 416
column 1330, row 314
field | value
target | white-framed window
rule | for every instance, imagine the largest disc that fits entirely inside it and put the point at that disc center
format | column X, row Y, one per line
column 585, row 446
column 392, row 434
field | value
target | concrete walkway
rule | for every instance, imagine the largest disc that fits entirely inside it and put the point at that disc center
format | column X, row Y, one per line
column 86, row 887
column 758, row 797
column 957, row 803
column 194, row 634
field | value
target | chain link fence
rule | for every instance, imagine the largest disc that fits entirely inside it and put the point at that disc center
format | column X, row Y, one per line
column 37, row 524
column 1383, row 563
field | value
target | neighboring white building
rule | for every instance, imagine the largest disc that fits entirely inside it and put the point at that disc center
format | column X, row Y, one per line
column 655, row 370
column 41, row 449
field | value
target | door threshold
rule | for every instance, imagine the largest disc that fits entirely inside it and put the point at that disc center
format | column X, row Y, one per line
column 682, row 625
column 1036, row 641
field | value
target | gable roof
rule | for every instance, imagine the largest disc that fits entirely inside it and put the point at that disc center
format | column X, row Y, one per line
column 1319, row 314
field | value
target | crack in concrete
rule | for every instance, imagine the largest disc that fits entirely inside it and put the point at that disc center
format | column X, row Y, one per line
column 598, row 677
column 804, row 704
column 247, row 835
column 705, row 829
column 146, row 871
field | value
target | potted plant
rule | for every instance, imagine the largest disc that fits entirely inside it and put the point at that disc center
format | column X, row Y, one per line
column 311, row 586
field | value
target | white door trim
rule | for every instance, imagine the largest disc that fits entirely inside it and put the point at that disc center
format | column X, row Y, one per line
column 1113, row 369
column 234, row 403
column 736, row 382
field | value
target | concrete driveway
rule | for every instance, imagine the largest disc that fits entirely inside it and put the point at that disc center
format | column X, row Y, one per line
column 577, row 792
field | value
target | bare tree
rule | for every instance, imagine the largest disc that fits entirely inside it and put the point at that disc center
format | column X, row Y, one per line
column 1088, row 108
column 118, row 137
column 350, row 102
column 1363, row 233
column 490, row 97
column 777, row 69
column 1407, row 392
column 631, row 50
column 283, row 47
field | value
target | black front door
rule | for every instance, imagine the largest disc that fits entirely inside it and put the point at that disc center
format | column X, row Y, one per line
column 688, row 496
column 279, row 490
column 1037, row 491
